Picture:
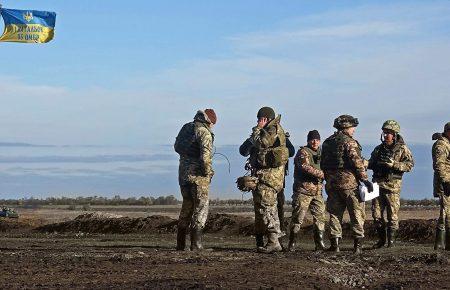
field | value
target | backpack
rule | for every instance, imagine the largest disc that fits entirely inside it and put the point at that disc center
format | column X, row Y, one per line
column 185, row 143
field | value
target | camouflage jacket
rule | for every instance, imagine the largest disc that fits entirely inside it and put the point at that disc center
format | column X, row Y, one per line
column 264, row 138
column 308, row 177
column 198, row 170
column 441, row 164
column 391, row 178
column 347, row 177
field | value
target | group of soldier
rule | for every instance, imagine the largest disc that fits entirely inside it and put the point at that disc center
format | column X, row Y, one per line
column 338, row 163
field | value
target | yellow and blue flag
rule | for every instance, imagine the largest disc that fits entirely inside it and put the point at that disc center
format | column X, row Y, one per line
column 29, row 26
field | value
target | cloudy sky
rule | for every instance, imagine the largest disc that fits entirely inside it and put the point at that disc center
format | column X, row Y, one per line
column 131, row 73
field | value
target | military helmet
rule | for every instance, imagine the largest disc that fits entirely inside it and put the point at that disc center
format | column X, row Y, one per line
column 391, row 125
column 447, row 127
column 266, row 112
column 345, row 121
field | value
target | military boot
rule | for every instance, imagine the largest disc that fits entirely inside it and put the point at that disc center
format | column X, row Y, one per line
column 357, row 245
column 447, row 239
column 439, row 242
column 334, row 245
column 259, row 240
column 391, row 237
column 381, row 231
column 318, row 240
column 196, row 240
column 181, row 239
column 273, row 245
column 293, row 238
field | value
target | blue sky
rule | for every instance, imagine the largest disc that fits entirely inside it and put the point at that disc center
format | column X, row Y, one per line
column 131, row 73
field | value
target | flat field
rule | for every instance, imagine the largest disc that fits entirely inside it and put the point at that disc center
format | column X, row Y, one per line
column 133, row 247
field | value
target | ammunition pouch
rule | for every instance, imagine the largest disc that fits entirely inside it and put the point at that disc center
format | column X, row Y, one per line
column 247, row 183
column 273, row 157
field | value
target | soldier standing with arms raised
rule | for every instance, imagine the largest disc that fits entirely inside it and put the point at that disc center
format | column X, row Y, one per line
column 194, row 143
column 343, row 168
column 268, row 156
column 389, row 161
column 441, row 185
column 308, row 179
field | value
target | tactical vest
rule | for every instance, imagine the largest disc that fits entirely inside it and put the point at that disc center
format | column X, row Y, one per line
column 185, row 143
column 333, row 152
column 314, row 161
column 384, row 172
column 274, row 156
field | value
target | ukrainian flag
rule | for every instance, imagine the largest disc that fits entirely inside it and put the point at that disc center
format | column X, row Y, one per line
column 29, row 26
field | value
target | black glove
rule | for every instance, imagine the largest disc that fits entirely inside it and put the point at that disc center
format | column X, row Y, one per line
column 368, row 184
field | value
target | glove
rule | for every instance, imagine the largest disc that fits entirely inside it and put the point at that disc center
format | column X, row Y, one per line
column 388, row 162
column 368, row 184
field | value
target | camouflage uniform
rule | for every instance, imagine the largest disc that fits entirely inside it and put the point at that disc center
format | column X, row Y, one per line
column 344, row 167
column 441, row 188
column 389, row 180
column 194, row 177
column 307, row 188
column 342, row 186
column 270, row 180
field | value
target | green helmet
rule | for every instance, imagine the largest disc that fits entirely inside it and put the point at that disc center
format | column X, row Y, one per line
column 345, row 121
column 391, row 125
column 447, row 127
column 266, row 112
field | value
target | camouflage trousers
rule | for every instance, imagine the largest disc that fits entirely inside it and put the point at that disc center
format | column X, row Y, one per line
column 300, row 205
column 281, row 199
column 266, row 212
column 444, row 213
column 389, row 202
column 337, row 203
column 194, row 210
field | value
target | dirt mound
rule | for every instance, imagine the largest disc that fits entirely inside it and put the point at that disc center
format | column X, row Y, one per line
column 20, row 224
column 113, row 224
column 230, row 224
column 226, row 224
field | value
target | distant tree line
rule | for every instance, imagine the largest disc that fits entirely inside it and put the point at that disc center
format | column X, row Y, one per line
column 92, row 200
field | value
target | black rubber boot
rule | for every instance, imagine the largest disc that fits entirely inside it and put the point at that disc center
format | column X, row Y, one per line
column 391, row 237
column 259, row 240
column 273, row 245
column 334, row 245
column 181, row 239
column 293, row 238
column 196, row 240
column 447, row 239
column 439, row 242
column 357, row 245
column 381, row 231
column 318, row 240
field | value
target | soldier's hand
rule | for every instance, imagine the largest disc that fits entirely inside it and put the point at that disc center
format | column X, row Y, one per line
column 368, row 184
column 262, row 122
column 388, row 162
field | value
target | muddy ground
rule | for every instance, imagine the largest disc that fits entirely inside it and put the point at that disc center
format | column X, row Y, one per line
column 97, row 251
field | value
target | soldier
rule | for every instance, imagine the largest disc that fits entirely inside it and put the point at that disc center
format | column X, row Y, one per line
column 389, row 161
column 343, row 168
column 441, row 182
column 245, row 150
column 194, row 143
column 308, row 179
column 268, row 156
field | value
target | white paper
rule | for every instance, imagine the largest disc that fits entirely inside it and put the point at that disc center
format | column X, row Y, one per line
column 366, row 195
